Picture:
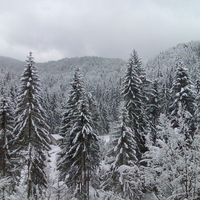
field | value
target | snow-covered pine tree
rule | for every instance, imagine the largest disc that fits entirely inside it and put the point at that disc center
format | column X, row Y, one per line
column 104, row 118
column 145, row 83
column 134, row 99
column 80, row 155
column 31, row 133
column 95, row 113
column 123, row 178
column 153, row 111
column 75, row 94
column 6, row 128
column 174, row 158
column 183, row 101
column 138, row 65
column 165, row 99
column 124, row 144
column 197, row 112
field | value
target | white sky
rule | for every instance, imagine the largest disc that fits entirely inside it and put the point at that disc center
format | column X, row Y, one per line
column 55, row 29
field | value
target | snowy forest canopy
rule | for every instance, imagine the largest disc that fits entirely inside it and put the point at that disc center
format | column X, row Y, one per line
column 121, row 131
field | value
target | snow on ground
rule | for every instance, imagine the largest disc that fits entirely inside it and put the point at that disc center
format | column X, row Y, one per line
column 94, row 194
column 150, row 196
column 53, row 157
column 105, row 138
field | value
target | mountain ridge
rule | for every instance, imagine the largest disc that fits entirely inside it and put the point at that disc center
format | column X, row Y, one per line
column 101, row 67
column 165, row 62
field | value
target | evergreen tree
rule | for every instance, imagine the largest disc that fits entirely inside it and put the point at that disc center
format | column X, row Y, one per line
column 104, row 119
column 123, row 178
column 134, row 99
column 124, row 143
column 183, row 100
column 173, row 158
column 70, row 108
column 31, row 133
column 153, row 111
column 79, row 156
column 138, row 65
column 145, row 83
column 197, row 112
column 165, row 99
column 6, row 128
column 95, row 113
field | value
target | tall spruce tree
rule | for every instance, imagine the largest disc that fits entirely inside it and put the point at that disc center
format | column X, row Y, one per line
column 6, row 136
column 197, row 112
column 79, row 155
column 123, row 177
column 31, row 133
column 138, row 65
column 153, row 111
column 134, row 99
column 124, row 144
column 183, row 104
column 70, row 109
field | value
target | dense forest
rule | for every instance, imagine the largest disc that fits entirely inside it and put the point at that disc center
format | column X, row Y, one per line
column 98, row 128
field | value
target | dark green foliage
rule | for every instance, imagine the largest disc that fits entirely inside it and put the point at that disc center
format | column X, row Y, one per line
column 154, row 110
column 80, row 155
column 52, row 103
column 31, row 132
column 108, row 98
column 123, row 177
column 183, row 100
column 182, row 91
column 6, row 137
column 67, row 124
column 133, row 94
column 124, row 143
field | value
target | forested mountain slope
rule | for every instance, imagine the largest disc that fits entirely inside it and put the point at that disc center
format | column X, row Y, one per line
column 151, row 125
column 93, row 68
column 96, row 71
column 101, row 75
column 11, row 64
column 164, row 63
column 96, row 68
column 57, row 74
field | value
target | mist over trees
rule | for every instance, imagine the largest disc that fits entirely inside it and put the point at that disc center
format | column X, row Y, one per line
column 103, row 129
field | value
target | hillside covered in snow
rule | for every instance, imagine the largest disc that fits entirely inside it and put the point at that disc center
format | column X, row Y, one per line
column 100, row 128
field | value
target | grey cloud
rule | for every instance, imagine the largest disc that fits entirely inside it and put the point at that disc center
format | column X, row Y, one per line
column 64, row 28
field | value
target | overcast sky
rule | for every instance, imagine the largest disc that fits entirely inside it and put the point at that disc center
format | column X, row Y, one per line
column 55, row 29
